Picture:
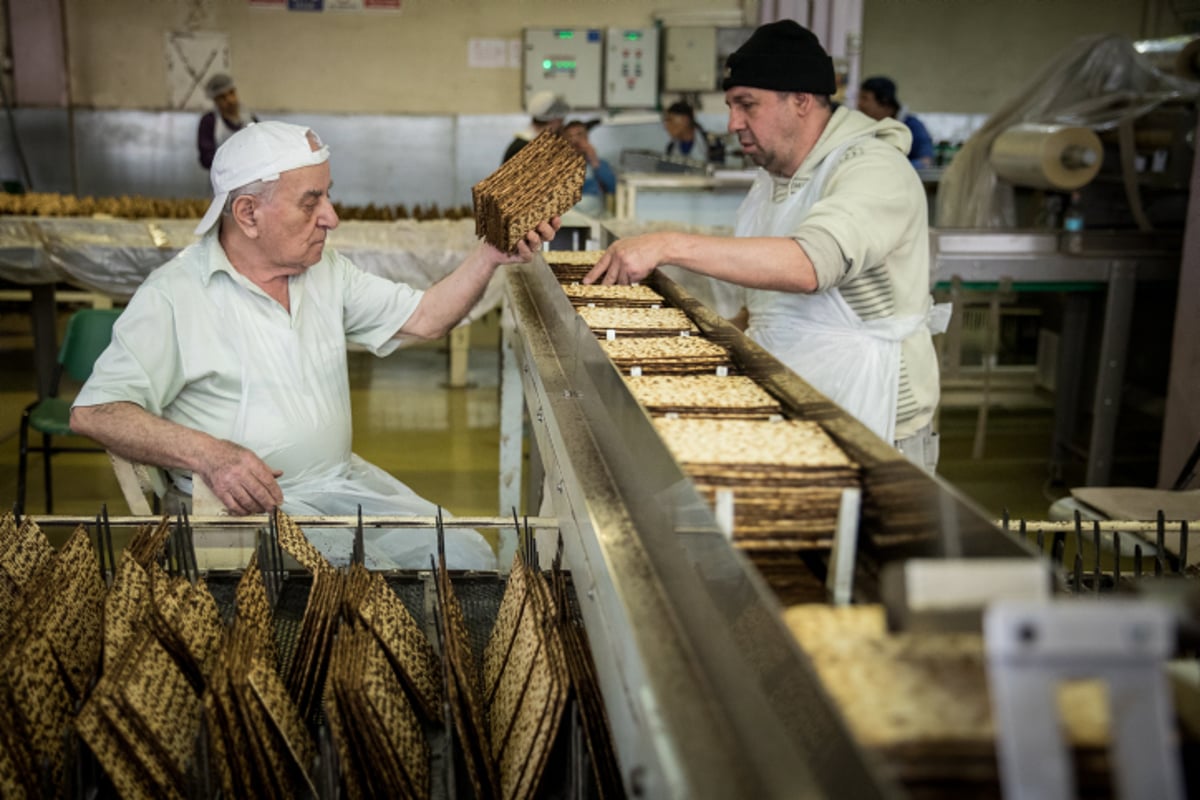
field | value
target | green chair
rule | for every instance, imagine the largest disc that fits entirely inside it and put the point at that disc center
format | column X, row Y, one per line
column 88, row 332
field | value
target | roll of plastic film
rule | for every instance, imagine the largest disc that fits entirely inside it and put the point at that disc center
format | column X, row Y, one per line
column 1047, row 156
column 1175, row 55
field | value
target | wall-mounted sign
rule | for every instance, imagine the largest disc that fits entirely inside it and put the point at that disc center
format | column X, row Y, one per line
column 192, row 58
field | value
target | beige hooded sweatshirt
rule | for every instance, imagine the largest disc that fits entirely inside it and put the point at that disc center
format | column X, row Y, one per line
column 868, row 237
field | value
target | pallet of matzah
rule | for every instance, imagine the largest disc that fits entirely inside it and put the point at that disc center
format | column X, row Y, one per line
column 611, row 323
column 921, row 701
column 667, row 355
column 543, row 180
column 785, row 477
column 634, row 296
column 734, row 396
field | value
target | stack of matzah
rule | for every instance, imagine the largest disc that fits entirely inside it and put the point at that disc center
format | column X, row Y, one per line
column 464, row 691
column 621, row 322
column 141, row 721
column 379, row 741
column 258, row 744
column 712, row 396
column 49, row 649
column 373, row 604
column 544, row 180
column 570, row 266
column 667, row 355
column 634, row 296
column 306, row 673
column 921, row 701
column 525, row 682
column 786, row 476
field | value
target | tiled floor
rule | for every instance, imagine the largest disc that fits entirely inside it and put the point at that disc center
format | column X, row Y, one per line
column 444, row 442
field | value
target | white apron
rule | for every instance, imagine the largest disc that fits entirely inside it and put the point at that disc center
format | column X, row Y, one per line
column 294, row 413
column 222, row 130
column 853, row 362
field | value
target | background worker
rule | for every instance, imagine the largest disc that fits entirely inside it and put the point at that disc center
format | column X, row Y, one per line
column 877, row 99
column 600, row 180
column 225, row 119
column 547, row 111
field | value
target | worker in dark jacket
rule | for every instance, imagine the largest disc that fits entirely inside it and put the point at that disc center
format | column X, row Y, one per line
column 226, row 118
column 877, row 99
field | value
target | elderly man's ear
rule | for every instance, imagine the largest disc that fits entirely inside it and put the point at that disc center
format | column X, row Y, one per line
column 245, row 213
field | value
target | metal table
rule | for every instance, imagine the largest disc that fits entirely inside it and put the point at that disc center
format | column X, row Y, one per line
column 1033, row 261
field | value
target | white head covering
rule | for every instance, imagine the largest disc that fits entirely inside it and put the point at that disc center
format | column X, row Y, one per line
column 546, row 105
column 258, row 152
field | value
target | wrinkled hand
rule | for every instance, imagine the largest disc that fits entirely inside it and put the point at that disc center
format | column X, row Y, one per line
column 240, row 479
column 532, row 242
column 628, row 260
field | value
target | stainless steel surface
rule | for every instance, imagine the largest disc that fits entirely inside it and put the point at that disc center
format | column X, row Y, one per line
column 1036, row 257
column 377, row 158
column 707, row 693
column 678, row 617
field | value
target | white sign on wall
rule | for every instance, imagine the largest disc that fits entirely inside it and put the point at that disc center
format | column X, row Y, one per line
column 193, row 58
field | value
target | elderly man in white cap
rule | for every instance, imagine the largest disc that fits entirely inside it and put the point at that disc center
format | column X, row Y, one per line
column 547, row 111
column 225, row 119
column 230, row 361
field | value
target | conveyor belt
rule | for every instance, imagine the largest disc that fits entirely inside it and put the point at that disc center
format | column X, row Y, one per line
column 708, row 693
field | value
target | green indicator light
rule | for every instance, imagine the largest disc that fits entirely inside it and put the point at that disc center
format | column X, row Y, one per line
column 633, row 36
column 547, row 64
column 565, row 34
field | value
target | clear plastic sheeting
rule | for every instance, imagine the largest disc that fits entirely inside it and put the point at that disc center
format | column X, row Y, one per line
column 1099, row 83
column 114, row 256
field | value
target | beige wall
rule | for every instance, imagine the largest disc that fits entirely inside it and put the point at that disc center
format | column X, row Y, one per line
column 971, row 56
column 964, row 56
column 412, row 62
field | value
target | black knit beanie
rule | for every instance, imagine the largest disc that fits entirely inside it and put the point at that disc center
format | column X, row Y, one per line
column 782, row 56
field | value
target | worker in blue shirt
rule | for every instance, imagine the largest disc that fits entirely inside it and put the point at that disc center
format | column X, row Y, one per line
column 877, row 99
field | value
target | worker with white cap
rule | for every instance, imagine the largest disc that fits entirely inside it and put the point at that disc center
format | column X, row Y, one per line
column 225, row 119
column 547, row 111
column 230, row 361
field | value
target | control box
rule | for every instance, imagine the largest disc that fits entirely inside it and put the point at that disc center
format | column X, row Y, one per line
column 690, row 58
column 567, row 61
column 631, row 68
column 695, row 56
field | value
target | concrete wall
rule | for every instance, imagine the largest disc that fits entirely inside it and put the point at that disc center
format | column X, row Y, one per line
column 371, row 62
column 965, row 56
column 971, row 56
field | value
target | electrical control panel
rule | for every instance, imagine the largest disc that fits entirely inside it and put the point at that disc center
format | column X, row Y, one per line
column 690, row 59
column 567, row 61
column 631, row 68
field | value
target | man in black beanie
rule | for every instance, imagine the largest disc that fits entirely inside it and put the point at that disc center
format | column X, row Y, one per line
column 831, row 247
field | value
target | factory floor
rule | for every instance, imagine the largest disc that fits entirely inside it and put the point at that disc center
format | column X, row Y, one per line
column 444, row 442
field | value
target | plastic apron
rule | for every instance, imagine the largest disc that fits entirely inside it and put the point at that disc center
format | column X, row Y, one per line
column 294, row 412
column 853, row 362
